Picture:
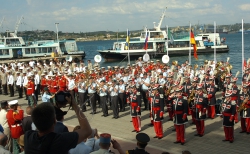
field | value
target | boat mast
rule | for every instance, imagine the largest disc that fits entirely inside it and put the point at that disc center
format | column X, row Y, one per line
column 17, row 25
column 158, row 27
column 1, row 24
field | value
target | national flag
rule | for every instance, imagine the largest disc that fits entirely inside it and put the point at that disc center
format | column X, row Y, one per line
column 127, row 40
column 193, row 42
column 244, row 64
column 146, row 41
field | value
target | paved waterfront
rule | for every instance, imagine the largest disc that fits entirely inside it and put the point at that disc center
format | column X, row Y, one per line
column 121, row 128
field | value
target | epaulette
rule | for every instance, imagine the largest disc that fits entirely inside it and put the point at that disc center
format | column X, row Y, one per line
column 161, row 96
column 233, row 102
column 184, row 97
column 138, row 93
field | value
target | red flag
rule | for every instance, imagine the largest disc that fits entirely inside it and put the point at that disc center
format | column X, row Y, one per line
column 244, row 64
column 193, row 42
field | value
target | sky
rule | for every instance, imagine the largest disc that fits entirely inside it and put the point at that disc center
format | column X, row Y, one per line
column 118, row 15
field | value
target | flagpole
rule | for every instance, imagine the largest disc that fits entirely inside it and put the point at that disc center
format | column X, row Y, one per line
column 242, row 47
column 189, row 43
column 167, row 40
column 215, row 42
column 128, row 47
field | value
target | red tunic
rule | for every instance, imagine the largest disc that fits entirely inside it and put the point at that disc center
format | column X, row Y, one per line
column 62, row 84
column 53, row 87
column 14, row 120
column 30, row 87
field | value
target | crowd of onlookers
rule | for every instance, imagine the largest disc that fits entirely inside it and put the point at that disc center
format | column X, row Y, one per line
column 43, row 131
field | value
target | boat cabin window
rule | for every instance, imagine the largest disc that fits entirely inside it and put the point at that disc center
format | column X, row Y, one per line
column 27, row 51
column 1, row 41
column 4, row 52
column 205, row 39
column 13, row 42
column 160, row 46
column 156, row 35
column 117, row 46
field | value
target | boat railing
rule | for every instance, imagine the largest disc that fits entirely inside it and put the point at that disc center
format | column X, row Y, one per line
column 105, row 48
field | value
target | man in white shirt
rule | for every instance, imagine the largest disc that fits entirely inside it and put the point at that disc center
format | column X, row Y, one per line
column 19, row 82
column 10, row 83
column 37, row 84
column 24, row 84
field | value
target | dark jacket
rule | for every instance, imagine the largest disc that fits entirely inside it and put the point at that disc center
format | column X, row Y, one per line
column 60, row 127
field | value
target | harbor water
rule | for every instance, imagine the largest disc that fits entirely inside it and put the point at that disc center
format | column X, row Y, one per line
column 234, row 41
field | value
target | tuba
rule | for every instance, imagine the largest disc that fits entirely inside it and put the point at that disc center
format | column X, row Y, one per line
column 175, row 62
column 242, row 106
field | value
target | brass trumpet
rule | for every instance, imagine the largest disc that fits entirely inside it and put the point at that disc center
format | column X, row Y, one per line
column 175, row 62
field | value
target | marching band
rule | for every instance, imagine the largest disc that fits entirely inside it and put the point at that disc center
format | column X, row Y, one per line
column 182, row 90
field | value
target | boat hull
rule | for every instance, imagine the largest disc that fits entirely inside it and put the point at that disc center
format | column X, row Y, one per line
column 116, row 56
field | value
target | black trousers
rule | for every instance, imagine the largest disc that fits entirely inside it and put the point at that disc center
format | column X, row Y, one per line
column 20, row 91
column 5, row 91
column 115, row 108
column 11, row 88
column 145, row 100
column 92, row 97
column 103, row 103
column 121, row 97
column 82, row 99
column 37, row 91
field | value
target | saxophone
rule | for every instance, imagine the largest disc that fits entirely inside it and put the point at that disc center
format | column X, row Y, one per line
column 242, row 106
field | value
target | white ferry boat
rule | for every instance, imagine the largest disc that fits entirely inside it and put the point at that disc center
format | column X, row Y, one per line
column 13, row 47
column 158, row 41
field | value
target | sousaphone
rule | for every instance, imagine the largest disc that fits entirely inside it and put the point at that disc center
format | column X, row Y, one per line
column 146, row 57
column 165, row 59
column 98, row 58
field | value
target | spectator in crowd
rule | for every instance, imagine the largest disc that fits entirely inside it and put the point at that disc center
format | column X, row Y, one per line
column 20, row 141
column 81, row 148
column 46, row 96
column 3, row 143
column 93, row 141
column 60, row 127
column 105, row 142
column 27, row 121
column 3, row 121
column 142, row 142
column 45, row 140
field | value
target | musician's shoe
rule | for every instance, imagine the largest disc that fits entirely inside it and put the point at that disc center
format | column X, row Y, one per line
column 170, row 119
column 177, row 142
column 173, row 129
column 155, row 137
column 231, row 141
column 242, row 132
column 200, row 135
column 182, row 143
column 133, row 130
column 196, row 134
column 159, row 138
column 224, row 140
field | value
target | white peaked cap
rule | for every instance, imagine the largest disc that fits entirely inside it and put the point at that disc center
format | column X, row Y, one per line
column 13, row 102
